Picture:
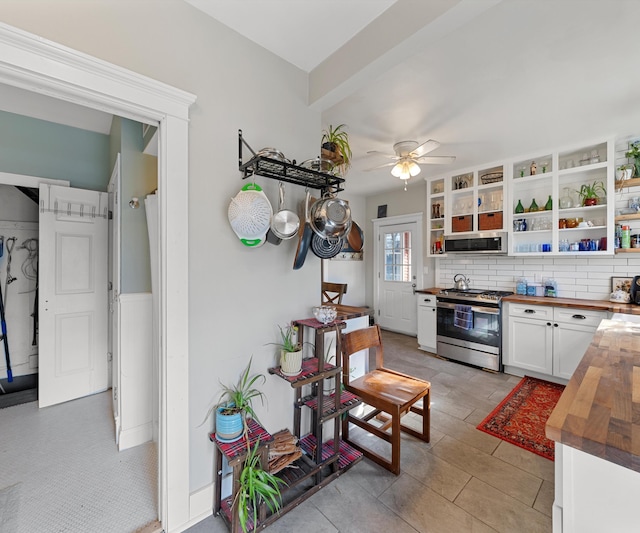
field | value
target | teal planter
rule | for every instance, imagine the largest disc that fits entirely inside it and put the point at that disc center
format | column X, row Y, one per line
column 229, row 428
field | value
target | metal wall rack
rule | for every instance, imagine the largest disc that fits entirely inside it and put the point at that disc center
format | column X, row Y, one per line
column 288, row 172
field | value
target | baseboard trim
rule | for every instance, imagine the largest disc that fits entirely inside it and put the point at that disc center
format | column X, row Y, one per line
column 130, row 438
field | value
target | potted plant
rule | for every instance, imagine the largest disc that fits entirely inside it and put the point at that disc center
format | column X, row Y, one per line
column 235, row 405
column 290, row 350
column 626, row 172
column 256, row 486
column 634, row 153
column 589, row 192
column 336, row 141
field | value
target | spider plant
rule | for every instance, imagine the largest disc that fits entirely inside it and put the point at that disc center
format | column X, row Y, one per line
column 337, row 140
column 256, row 486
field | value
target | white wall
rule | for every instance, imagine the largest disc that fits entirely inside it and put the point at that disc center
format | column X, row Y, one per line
column 398, row 202
column 237, row 295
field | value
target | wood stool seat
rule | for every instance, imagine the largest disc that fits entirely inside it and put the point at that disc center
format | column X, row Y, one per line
column 387, row 391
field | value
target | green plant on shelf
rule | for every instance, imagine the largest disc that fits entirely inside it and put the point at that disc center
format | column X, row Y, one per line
column 256, row 486
column 590, row 193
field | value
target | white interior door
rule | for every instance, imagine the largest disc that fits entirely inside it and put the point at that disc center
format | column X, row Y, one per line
column 113, row 334
column 397, row 275
column 73, row 294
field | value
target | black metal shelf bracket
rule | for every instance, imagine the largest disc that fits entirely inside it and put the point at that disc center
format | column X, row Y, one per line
column 284, row 171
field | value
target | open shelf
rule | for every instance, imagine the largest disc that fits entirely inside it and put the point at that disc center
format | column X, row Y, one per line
column 309, row 374
column 348, row 401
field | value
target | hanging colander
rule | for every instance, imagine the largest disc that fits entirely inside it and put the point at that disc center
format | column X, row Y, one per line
column 250, row 215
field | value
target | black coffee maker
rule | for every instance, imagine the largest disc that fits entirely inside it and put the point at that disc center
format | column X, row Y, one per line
column 635, row 290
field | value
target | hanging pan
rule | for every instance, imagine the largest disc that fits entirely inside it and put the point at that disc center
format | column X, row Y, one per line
column 326, row 248
column 355, row 237
column 285, row 223
column 304, row 237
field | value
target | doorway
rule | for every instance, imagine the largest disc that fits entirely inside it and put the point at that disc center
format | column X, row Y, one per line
column 75, row 77
column 398, row 260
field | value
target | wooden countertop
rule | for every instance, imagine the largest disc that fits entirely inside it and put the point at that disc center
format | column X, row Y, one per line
column 599, row 411
column 350, row 311
column 597, row 305
column 431, row 290
column 578, row 303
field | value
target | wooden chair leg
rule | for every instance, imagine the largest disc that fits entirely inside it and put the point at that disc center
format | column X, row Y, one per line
column 395, row 442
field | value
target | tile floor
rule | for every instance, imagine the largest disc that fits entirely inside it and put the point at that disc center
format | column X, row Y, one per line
column 462, row 481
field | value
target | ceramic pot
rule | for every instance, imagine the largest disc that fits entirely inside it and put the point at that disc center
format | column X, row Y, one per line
column 291, row 362
column 229, row 427
column 590, row 201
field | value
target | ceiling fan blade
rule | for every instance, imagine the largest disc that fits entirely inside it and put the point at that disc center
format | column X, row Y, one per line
column 383, row 154
column 435, row 159
column 426, row 147
column 379, row 166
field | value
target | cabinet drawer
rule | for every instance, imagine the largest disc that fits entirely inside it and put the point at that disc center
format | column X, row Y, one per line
column 426, row 300
column 586, row 317
column 531, row 311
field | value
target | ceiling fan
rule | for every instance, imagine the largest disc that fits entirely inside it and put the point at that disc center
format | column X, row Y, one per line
column 409, row 155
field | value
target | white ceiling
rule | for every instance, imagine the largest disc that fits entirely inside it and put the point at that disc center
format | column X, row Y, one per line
column 489, row 79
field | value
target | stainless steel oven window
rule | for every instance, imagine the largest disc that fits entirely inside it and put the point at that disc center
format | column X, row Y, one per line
column 397, row 256
column 485, row 329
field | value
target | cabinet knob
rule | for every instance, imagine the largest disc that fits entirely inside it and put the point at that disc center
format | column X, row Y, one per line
column 434, row 309
column 555, row 325
column 579, row 317
column 548, row 323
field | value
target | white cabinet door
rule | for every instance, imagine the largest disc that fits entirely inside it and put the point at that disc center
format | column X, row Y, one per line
column 530, row 344
column 570, row 341
column 427, row 322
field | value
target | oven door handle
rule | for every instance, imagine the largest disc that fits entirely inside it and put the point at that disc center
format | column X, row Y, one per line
column 474, row 308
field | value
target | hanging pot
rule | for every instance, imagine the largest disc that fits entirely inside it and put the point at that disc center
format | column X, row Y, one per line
column 284, row 223
column 330, row 217
column 326, row 248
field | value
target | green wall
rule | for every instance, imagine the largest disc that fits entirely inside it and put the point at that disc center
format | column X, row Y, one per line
column 36, row 147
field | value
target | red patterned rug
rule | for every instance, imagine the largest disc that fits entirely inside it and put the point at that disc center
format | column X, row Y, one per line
column 521, row 416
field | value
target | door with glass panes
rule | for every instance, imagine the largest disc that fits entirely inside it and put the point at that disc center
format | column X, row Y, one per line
column 397, row 277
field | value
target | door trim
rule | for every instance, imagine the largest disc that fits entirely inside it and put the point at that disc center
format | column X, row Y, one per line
column 36, row 64
column 378, row 225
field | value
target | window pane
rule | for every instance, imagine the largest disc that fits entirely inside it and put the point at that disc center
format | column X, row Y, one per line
column 397, row 256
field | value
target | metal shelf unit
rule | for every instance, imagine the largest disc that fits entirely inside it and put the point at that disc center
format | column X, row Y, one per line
column 287, row 172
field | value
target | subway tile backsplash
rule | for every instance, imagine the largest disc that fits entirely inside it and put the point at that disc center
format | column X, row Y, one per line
column 577, row 277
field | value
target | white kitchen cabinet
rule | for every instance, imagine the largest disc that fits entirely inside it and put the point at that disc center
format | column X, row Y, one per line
column 530, row 344
column 549, row 340
column 427, row 322
column 468, row 201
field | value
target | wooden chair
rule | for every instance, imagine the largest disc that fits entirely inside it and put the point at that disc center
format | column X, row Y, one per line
column 332, row 292
column 387, row 391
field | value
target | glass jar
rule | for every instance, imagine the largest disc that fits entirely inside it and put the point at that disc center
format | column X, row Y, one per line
column 565, row 200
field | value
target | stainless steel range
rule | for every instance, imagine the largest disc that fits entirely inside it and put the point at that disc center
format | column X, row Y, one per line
column 470, row 326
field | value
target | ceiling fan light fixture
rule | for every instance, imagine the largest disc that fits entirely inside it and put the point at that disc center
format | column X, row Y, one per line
column 405, row 169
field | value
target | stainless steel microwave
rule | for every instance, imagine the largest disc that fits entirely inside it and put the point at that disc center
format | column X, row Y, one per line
column 494, row 242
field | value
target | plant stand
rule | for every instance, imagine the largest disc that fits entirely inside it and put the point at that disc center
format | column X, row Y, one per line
column 321, row 462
